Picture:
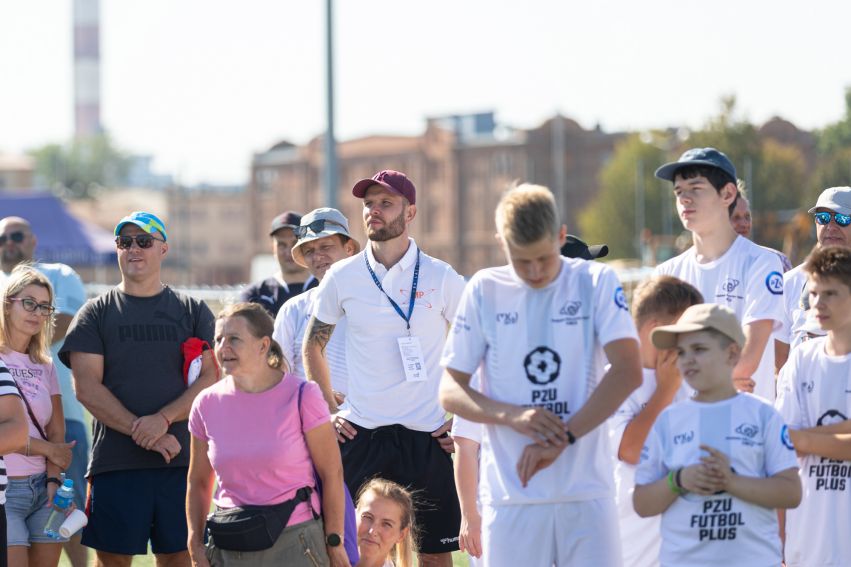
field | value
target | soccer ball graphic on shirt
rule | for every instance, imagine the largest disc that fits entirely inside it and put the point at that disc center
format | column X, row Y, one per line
column 542, row 365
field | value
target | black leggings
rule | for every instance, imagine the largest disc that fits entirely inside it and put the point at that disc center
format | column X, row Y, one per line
column 3, row 551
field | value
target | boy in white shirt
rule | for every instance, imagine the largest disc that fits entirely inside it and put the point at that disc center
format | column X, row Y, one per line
column 656, row 302
column 539, row 327
column 715, row 466
column 814, row 397
column 726, row 268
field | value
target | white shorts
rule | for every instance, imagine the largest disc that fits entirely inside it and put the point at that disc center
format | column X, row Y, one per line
column 574, row 534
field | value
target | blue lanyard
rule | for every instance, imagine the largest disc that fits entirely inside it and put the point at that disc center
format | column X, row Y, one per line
column 413, row 289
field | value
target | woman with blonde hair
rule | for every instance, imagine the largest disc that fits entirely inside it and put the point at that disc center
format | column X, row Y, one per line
column 26, row 328
column 386, row 530
column 257, row 436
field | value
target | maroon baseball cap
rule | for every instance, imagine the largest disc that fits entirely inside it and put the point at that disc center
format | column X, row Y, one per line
column 395, row 181
column 289, row 219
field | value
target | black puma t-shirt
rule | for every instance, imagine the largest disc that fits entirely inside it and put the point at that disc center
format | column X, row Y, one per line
column 140, row 340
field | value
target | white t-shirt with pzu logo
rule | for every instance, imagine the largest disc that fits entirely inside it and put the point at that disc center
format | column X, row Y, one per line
column 540, row 347
column 749, row 280
column 814, row 389
column 719, row 529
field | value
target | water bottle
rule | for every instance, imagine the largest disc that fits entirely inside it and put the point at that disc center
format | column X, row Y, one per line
column 61, row 501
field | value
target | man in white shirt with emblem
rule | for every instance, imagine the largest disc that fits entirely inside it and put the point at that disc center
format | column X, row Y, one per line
column 832, row 217
column 540, row 328
column 726, row 268
column 398, row 303
column 323, row 239
column 814, row 397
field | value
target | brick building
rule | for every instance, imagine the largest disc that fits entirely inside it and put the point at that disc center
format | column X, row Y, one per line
column 460, row 165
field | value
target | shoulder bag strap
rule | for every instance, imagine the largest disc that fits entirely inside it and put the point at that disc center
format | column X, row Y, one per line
column 30, row 411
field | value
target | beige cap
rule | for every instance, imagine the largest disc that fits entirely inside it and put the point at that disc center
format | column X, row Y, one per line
column 700, row 318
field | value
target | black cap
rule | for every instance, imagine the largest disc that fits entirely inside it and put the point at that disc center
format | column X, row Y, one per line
column 289, row 219
column 576, row 248
column 698, row 156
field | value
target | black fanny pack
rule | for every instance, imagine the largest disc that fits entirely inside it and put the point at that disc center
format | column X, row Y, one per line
column 252, row 528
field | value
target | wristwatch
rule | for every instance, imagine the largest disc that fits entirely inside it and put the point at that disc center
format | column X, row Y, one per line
column 333, row 540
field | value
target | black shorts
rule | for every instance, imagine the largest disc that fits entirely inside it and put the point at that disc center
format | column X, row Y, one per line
column 415, row 460
column 129, row 508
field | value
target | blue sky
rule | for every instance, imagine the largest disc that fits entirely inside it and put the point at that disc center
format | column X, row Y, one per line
column 201, row 84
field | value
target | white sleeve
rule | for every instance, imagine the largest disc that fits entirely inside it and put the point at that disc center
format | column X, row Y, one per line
column 779, row 451
column 467, row 429
column 787, row 402
column 285, row 332
column 764, row 295
column 619, row 421
column 651, row 465
column 465, row 344
column 453, row 289
column 612, row 320
column 326, row 305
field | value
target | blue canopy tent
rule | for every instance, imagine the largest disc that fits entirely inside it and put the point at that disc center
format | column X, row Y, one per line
column 61, row 236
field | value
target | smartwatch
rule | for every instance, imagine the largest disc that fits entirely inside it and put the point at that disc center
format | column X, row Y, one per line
column 333, row 540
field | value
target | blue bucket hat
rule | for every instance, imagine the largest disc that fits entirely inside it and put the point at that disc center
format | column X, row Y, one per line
column 149, row 222
column 698, row 156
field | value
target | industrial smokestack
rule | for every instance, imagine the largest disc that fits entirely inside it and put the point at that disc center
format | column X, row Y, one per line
column 86, row 68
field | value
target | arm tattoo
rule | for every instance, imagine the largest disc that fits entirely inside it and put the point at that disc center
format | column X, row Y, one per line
column 319, row 333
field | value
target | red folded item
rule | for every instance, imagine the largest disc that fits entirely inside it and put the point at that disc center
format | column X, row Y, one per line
column 192, row 349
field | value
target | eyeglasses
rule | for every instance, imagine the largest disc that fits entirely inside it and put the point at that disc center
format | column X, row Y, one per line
column 31, row 305
column 142, row 241
column 823, row 218
column 315, row 227
column 17, row 237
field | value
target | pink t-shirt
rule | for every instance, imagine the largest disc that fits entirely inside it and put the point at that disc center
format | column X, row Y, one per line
column 38, row 382
column 256, row 442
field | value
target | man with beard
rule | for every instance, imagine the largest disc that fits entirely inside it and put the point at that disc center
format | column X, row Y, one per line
column 292, row 279
column 398, row 303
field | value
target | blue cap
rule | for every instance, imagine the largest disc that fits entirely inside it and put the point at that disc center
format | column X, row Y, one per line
column 698, row 156
column 149, row 222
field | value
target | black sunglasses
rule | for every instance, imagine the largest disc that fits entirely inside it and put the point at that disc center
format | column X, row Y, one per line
column 31, row 305
column 315, row 227
column 823, row 218
column 142, row 241
column 17, row 237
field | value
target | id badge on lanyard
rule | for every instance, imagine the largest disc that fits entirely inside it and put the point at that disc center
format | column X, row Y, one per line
column 410, row 348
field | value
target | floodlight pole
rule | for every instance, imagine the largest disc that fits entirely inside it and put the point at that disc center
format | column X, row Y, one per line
column 330, row 142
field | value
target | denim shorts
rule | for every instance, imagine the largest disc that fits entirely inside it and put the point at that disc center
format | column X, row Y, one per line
column 27, row 511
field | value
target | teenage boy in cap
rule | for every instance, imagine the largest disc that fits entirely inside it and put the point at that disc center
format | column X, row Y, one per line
column 539, row 329
column 398, row 303
column 726, row 268
column 832, row 217
column 323, row 239
column 718, row 465
column 124, row 351
column 814, row 396
column 291, row 279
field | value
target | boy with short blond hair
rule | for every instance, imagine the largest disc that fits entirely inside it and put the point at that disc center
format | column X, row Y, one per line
column 656, row 302
column 718, row 465
column 814, row 396
column 540, row 327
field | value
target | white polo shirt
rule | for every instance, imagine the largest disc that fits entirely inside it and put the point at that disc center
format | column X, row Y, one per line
column 748, row 279
column 290, row 326
column 379, row 393
column 814, row 389
column 541, row 348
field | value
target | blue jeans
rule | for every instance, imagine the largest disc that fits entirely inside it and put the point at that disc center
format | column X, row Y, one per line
column 76, row 431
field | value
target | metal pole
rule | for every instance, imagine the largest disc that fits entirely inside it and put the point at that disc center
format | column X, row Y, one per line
column 330, row 142
column 639, row 207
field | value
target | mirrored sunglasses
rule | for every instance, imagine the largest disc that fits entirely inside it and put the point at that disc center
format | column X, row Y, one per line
column 823, row 218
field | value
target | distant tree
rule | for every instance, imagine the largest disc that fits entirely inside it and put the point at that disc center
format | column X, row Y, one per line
column 611, row 217
column 781, row 180
column 837, row 136
column 78, row 168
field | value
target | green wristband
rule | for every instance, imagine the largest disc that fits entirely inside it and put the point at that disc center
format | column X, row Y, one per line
column 672, row 484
